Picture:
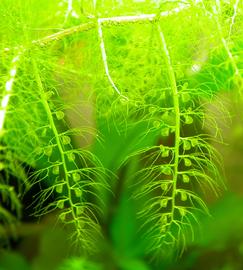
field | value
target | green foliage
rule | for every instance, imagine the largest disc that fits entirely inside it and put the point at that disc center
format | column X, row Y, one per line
column 78, row 264
column 12, row 260
column 107, row 102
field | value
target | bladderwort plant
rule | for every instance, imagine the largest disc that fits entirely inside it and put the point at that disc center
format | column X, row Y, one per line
column 101, row 98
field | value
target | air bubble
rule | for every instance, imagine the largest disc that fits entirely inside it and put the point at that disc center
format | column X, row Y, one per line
column 1, row 166
column 186, row 145
column 76, row 177
column 185, row 97
column 66, row 140
column 165, row 116
column 172, row 129
column 60, row 204
column 183, row 196
column 156, row 124
column 62, row 216
column 185, row 178
column 164, row 186
column 165, row 132
column 188, row 119
column 165, row 153
column 194, row 142
column 187, row 162
column 78, row 192
column 182, row 211
column 79, row 210
column 166, row 170
column 164, row 203
column 59, row 188
column 60, row 115
column 71, row 156
column 48, row 151
column 55, row 170
column 169, row 118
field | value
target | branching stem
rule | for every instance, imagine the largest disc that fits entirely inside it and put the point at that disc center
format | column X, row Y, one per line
column 64, row 33
column 234, row 16
column 172, row 81
column 106, row 21
column 8, row 90
column 142, row 17
column 57, row 138
column 69, row 9
column 104, row 58
column 216, row 10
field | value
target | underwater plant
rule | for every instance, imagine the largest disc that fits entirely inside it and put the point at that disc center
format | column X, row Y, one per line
column 107, row 115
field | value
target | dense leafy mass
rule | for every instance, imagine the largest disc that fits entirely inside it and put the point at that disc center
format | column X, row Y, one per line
column 112, row 102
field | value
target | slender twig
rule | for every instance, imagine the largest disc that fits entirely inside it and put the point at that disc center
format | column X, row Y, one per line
column 104, row 58
column 176, row 104
column 8, row 90
column 233, row 17
column 216, row 11
column 69, row 9
column 142, row 17
column 61, row 34
column 106, row 21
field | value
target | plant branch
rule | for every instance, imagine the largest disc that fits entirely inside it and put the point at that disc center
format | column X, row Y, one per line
column 104, row 58
column 106, row 21
column 216, row 11
column 234, row 15
column 8, row 90
column 176, row 104
column 142, row 17
column 56, row 135
column 64, row 33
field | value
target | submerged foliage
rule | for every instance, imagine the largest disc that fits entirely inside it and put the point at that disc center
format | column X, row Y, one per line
column 105, row 98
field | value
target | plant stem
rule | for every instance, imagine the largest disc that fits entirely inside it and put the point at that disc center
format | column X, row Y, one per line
column 64, row 33
column 216, row 11
column 233, row 17
column 142, row 17
column 8, row 90
column 58, row 141
column 174, row 89
column 106, row 21
column 104, row 58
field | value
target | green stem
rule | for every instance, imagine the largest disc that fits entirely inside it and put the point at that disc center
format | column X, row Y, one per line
column 120, row 20
column 64, row 33
column 58, row 141
column 174, row 89
column 224, row 41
